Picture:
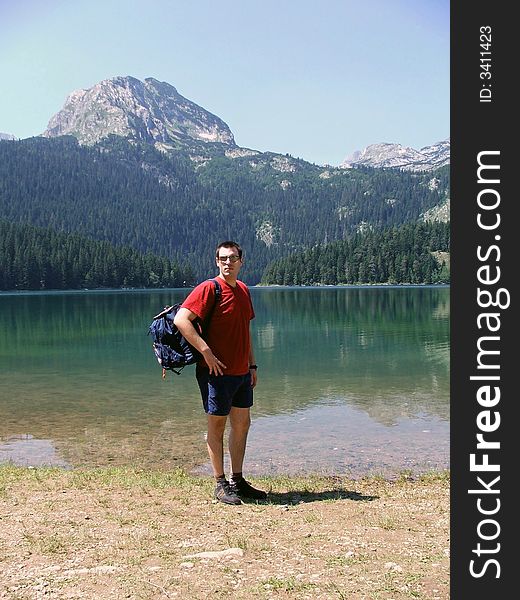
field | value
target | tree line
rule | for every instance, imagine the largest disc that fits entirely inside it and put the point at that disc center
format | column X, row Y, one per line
column 414, row 253
column 133, row 195
column 33, row 258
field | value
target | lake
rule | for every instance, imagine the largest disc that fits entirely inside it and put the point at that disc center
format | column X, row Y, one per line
column 352, row 381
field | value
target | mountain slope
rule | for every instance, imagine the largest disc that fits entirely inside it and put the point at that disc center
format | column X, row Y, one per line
column 136, row 164
column 149, row 111
column 132, row 194
column 37, row 258
column 411, row 253
column 154, row 112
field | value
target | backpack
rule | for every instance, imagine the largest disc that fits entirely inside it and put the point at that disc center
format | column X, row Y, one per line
column 172, row 350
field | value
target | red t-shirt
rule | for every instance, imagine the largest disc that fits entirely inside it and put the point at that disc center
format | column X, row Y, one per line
column 228, row 331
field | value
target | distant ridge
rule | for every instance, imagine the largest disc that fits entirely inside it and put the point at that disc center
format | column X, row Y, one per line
column 401, row 157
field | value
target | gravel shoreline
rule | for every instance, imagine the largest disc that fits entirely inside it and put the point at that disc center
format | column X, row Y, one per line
column 121, row 533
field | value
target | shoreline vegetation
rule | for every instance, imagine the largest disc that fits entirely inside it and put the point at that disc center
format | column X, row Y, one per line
column 35, row 258
column 258, row 285
column 147, row 534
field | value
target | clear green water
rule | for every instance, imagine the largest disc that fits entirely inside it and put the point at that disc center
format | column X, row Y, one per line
column 351, row 381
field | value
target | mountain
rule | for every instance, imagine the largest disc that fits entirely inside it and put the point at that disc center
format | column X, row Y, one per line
column 135, row 164
column 150, row 111
column 402, row 157
column 154, row 112
column 7, row 136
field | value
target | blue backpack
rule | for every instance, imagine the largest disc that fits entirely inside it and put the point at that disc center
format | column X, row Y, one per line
column 172, row 350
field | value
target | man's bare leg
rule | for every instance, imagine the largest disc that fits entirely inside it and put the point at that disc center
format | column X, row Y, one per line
column 215, row 443
column 240, row 421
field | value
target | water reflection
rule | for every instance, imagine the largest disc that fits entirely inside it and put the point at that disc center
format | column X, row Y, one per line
column 78, row 369
column 30, row 452
column 384, row 350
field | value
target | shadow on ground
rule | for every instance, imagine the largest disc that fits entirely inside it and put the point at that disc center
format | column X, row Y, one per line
column 297, row 497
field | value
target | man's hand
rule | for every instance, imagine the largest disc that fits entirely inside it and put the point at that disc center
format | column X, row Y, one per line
column 253, row 377
column 184, row 322
column 215, row 366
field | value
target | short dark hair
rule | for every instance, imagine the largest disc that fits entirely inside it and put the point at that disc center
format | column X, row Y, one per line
column 229, row 244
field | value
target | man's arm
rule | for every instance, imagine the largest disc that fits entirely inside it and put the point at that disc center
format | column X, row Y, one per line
column 183, row 322
column 252, row 360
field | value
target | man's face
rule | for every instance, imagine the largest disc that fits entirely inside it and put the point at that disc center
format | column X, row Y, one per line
column 228, row 262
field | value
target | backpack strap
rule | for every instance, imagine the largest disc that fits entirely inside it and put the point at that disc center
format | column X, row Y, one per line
column 218, row 295
column 166, row 310
column 218, row 289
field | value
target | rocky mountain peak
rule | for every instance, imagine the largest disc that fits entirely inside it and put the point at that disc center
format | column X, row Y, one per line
column 401, row 157
column 151, row 111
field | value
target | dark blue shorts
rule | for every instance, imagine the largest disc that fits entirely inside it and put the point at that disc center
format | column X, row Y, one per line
column 221, row 392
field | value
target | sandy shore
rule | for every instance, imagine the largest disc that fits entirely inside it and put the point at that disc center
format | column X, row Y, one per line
column 118, row 533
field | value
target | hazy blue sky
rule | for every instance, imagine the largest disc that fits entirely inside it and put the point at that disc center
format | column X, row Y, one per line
column 315, row 79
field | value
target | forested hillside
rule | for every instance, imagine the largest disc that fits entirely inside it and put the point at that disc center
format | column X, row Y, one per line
column 412, row 253
column 136, row 196
column 33, row 258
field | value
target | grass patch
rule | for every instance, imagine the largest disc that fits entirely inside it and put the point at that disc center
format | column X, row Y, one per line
column 46, row 544
column 234, row 541
column 286, row 584
column 388, row 523
column 127, row 477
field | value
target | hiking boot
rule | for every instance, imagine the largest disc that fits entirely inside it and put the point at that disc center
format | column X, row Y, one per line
column 224, row 493
column 246, row 490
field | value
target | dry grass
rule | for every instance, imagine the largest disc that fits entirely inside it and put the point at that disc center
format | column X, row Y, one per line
column 125, row 534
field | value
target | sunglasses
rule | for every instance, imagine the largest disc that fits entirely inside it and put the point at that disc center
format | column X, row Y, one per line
column 233, row 258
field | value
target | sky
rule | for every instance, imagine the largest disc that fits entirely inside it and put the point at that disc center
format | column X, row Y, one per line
column 317, row 79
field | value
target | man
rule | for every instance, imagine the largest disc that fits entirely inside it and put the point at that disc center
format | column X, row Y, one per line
column 227, row 372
